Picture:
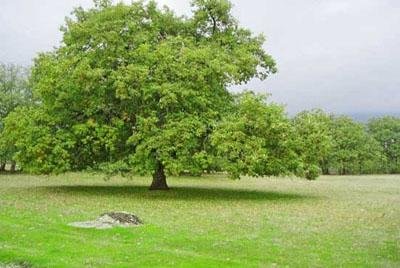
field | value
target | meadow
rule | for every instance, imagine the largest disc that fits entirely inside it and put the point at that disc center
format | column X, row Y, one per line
column 348, row 221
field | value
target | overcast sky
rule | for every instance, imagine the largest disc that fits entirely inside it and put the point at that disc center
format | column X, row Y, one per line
column 339, row 55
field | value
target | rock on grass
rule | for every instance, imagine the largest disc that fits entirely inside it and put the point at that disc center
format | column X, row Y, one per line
column 110, row 220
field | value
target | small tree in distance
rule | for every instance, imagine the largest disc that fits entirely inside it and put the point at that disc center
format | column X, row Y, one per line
column 353, row 150
column 255, row 139
column 14, row 92
column 386, row 131
column 313, row 141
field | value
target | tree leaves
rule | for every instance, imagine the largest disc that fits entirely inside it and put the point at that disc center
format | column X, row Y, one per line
column 255, row 139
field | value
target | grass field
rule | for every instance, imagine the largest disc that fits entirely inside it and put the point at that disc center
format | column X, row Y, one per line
column 202, row 222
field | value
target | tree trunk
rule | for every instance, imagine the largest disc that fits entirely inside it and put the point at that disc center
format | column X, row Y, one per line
column 2, row 167
column 13, row 166
column 324, row 168
column 159, row 178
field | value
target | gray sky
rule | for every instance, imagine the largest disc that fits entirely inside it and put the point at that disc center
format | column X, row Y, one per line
column 339, row 55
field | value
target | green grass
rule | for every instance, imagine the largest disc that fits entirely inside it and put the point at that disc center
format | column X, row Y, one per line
column 202, row 222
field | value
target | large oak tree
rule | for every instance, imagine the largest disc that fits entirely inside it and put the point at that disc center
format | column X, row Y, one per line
column 140, row 85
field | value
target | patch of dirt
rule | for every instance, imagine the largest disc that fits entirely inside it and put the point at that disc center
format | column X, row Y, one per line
column 110, row 220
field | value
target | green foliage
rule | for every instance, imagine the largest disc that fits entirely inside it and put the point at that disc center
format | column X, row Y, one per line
column 313, row 141
column 255, row 139
column 14, row 89
column 386, row 131
column 14, row 92
column 354, row 151
column 40, row 147
column 43, row 147
column 335, row 144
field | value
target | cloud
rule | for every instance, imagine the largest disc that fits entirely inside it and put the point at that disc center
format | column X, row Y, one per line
column 335, row 7
column 339, row 55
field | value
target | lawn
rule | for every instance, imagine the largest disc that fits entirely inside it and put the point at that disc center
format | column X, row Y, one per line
column 202, row 222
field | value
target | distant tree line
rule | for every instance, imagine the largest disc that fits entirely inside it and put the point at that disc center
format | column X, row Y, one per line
column 254, row 137
column 136, row 89
column 333, row 144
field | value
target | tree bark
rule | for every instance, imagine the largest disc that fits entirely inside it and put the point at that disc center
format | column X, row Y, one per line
column 13, row 166
column 2, row 167
column 159, row 178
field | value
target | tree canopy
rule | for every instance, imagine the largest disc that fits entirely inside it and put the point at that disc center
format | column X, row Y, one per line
column 353, row 151
column 138, row 84
column 313, row 141
column 255, row 139
column 14, row 89
column 14, row 92
column 386, row 131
